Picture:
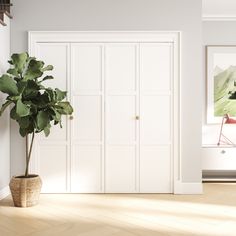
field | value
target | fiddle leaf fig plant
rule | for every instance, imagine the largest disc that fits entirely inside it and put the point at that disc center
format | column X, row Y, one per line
column 34, row 106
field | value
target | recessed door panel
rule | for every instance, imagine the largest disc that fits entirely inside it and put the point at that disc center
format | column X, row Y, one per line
column 87, row 122
column 155, row 171
column 120, row 169
column 56, row 132
column 121, row 123
column 155, row 66
column 55, row 54
column 86, row 170
column 52, row 166
column 120, row 67
column 155, row 119
column 86, row 67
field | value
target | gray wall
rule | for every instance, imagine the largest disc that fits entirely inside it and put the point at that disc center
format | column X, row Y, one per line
column 183, row 15
column 216, row 33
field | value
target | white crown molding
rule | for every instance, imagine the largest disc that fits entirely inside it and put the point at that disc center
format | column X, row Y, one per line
column 219, row 17
column 4, row 192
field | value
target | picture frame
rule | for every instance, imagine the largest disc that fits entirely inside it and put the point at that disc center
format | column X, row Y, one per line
column 221, row 82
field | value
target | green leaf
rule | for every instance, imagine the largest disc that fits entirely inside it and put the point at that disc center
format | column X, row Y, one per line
column 22, row 109
column 47, row 130
column 28, row 130
column 23, row 132
column 19, row 61
column 42, row 120
column 13, row 98
column 10, row 62
column 8, row 85
column 4, row 106
column 60, row 95
column 48, row 77
column 51, row 94
column 56, row 115
column 47, row 68
column 24, row 122
column 64, row 108
column 31, row 89
column 21, row 85
column 33, row 70
column 13, row 114
column 13, row 72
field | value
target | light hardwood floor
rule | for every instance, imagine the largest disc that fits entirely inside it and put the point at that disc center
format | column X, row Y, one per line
column 210, row 214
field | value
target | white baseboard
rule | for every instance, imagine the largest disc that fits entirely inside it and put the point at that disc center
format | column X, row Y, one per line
column 188, row 188
column 4, row 192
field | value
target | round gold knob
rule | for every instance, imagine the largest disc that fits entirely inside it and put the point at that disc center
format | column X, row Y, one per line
column 71, row 117
column 137, row 117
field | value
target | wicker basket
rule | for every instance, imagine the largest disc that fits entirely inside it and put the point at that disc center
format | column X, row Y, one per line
column 25, row 191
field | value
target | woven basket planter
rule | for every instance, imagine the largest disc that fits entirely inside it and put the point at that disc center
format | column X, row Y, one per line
column 25, row 191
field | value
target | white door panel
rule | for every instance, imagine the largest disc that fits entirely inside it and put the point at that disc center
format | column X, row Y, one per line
column 120, row 67
column 55, row 54
column 120, row 169
column 53, row 171
column 87, row 122
column 155, row 66
column 57, row 133
column 86, row 67
column 121, row 123
column 53, row 152
column 121, row 126
column 155, row 175
column 87, row 126
column 86, row 172
column 155, row 120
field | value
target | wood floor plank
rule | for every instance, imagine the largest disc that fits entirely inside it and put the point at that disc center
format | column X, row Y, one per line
column 210, row 214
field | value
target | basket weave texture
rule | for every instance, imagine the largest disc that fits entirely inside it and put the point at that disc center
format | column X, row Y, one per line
column 25, row 191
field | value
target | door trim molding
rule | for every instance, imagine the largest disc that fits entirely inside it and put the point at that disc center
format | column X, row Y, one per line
column 174, row 37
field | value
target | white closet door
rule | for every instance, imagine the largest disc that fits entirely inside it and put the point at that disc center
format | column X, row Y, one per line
column 156, row 122
column 121, row 125
column 52, row 153
column 87, row 135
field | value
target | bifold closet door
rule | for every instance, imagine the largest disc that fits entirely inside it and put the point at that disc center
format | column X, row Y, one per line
column 120, row 136
column 87, row 126
column 121, row 118
column 156, row 117
column 52, row 154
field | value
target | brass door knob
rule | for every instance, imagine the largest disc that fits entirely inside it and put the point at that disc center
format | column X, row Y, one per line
column 137, row 117
column 71, row 117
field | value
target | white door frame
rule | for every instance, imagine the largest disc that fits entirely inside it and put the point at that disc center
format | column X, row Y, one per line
column 174, row 37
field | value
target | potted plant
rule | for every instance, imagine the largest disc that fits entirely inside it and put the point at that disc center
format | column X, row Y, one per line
column 35, row 108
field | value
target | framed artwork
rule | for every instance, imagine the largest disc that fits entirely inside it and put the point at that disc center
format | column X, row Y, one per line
column 221, row 82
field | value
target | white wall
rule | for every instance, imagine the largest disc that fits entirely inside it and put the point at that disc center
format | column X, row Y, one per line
column 183, row 15
column 4, row 119
column 223, row 8
column 217, row 33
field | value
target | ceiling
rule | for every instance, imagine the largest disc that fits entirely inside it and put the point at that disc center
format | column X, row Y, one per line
column 219, row 9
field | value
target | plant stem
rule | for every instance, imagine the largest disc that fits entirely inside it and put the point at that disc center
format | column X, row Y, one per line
column 26, row 149
column 28, row 154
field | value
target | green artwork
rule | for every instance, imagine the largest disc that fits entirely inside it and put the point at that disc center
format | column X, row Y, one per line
column 224, row 91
